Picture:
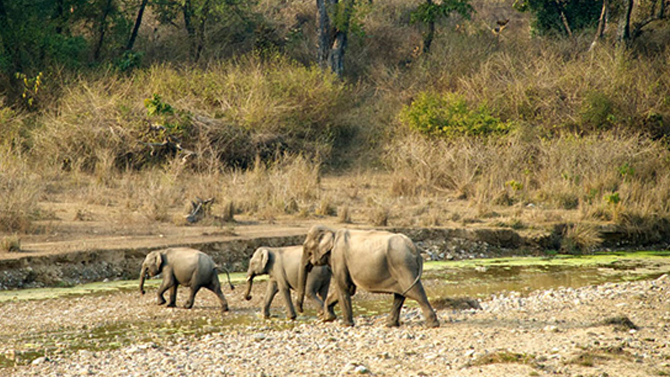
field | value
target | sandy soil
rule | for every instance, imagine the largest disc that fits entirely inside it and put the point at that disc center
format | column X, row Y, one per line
column 555, row 332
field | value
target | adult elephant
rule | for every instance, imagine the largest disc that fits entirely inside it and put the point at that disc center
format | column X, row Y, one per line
column 282, row 264
column 188, row 267
column 376, row 261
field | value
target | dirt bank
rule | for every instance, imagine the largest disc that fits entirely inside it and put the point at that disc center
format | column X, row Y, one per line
column 70, row 262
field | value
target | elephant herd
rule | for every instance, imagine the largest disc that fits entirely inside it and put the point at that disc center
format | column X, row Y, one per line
column 375, row 261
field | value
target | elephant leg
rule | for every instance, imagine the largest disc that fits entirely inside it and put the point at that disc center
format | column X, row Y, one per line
column 215, row 286
column 167, row 283
column 269, row 296
column 290, row 310
column 394, row 316
column 344, row 291
column 311, row 294
column 173, row 296
column 320, row 297
column 191, row 297
column 418, row 294
column 329, row 307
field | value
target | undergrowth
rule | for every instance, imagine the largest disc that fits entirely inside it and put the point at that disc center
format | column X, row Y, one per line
column 558, row 130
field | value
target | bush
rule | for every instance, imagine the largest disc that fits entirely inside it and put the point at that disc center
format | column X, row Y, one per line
column 448, row 116
column 229, row 112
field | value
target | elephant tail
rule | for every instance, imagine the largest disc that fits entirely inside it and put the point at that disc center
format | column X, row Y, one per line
column 232, row 287
column 418, row 277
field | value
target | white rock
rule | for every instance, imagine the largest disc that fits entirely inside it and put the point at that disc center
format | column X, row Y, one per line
column 361, row 369
column 40, row 360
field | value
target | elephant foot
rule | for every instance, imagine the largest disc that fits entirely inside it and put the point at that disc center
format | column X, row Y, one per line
column 328, row 317
column 392, row 323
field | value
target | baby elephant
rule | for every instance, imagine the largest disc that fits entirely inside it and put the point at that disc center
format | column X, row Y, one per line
column 283, row 265
column 188, row 267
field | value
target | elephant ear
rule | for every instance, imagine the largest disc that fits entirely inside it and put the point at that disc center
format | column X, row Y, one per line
column 156, row 260
column 265, row 258
column 326, row 243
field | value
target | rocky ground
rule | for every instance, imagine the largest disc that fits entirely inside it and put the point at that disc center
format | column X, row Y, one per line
column 620, row 329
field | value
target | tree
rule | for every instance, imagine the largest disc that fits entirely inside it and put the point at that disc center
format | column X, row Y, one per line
column 107, row 6
column 335, row 18
column 561, row 17
column 136, row 27
column 35, row 34
column 429, row 12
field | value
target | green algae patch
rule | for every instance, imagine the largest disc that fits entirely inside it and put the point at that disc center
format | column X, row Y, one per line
column 237, row 278
column 558, row 260
column 482, row 277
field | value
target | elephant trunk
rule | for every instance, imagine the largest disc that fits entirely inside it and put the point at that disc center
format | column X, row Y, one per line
column 305, row 267
column 143, row 274
column 250, row 282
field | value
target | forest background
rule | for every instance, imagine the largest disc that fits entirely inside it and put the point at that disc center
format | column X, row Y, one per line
column 536, row 115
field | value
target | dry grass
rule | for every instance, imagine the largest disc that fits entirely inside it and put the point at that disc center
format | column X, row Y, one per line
column 580, row 238
column 10, row 244
column 284, row 186
column 262, row 127
column 592, row 356
column 20, row 191
column 605, row 176
column 505, row 357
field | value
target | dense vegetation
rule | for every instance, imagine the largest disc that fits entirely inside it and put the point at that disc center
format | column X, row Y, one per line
column 153, row 102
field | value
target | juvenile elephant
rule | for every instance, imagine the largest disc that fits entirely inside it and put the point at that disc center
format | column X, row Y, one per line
column 283, row 266
column 188, row 267
column 376, row 261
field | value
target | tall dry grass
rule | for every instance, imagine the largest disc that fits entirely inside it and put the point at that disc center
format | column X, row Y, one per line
column 226, row 112
column 20, row 192
column 288, row 185
column 608, row 177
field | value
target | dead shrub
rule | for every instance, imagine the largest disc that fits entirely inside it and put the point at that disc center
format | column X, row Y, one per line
column 580, row 238
column 344, row 215
column 10, row 244
column 379, row 216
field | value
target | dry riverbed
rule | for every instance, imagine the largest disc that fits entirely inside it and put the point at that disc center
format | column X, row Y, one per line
column 561, row 331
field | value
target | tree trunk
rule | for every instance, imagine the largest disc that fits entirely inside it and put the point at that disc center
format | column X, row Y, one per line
column 58, row 16
column 187, row 10
column 661, row 10
column 101, row 29
column 325, row 32
column 136, row 28
column 600, row 30
column 200, row 32
column 623, row 29
column 333, row 38
column 429, row 35
column 337, row 53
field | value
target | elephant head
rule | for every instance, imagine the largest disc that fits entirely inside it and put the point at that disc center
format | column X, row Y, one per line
column 152, row 265
column 316, row 252
column 258, row 265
